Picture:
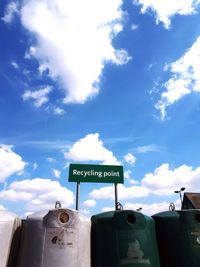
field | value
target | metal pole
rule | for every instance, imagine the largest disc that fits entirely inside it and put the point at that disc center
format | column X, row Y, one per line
column 77, row 195
column 116, row 197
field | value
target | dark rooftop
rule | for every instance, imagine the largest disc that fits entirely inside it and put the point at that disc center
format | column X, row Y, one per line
column 191, row 201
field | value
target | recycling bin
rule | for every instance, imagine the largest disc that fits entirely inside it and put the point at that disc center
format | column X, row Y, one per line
column 123, row 239
column 178, row 237
column 10, row 235
column 55, row 238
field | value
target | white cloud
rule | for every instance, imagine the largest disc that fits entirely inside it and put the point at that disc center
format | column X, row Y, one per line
column 56, row 173
column 149, row 209
column 133, row 182
column 39, row 97
column 105, row 209
column 51, row 160
column 12, row 195
column 124, row 193
column 28, row 213
column 148, row 148
column 90, row 203
column 2, row 207
column 165, row 179
column 10, row 12
column 127, row 174
column 15, row 65
column 85, row 211
column 134, row 27
column 38, row 193
column 10, row 162
column 162, row 182
column 165, row 9
column 129, row 158
column 74, row 41
column 185, row 78
column 91, row 148
column 35, row 166
column 58, row 111
column 132, row 192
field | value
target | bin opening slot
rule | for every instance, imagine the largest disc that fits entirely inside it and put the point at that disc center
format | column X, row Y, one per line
column 131, row 218
column 197, row 217
column 64, row 217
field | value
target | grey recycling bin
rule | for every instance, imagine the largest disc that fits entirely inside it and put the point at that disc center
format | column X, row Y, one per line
column 55, row 238
column 9, row 236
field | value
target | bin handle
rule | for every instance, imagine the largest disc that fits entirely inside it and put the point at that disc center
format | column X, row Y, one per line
column 58, row 205
column 172, row 206
column 119, row 206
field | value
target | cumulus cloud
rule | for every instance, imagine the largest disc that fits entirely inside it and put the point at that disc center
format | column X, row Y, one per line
column 10, row 11
column 39, row 97
column 40, row 193
column 129, row 158
column 165, row 179
column 124, row 193
column 74, row 41
column 10, row 162
column 12, row 195
column 147, row 209
column 164, row 10
column 90, row 203
column 185, row 78
column 162, row 182
column 150, row 209
column 91, row 148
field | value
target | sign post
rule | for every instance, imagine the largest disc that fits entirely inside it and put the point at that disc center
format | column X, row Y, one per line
column 116, row 197
column 77, row 195
column 90, row 173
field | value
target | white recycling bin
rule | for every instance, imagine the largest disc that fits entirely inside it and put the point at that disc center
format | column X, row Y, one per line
column 55, row 238
column 9, row 236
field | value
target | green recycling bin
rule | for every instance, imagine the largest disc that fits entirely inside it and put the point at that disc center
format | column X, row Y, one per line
column 123, row 239
column 178, row 238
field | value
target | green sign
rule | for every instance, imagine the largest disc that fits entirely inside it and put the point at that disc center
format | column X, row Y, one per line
column 96, row 173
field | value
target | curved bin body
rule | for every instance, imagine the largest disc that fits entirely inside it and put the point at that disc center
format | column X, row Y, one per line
column 123, row 239
column 9, row 233
column 55, row 238
column 178, row 237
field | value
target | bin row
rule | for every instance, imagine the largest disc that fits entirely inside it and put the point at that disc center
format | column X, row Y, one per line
column 66, row 238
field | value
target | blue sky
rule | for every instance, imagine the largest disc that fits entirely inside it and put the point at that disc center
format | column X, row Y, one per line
column 99, row 82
